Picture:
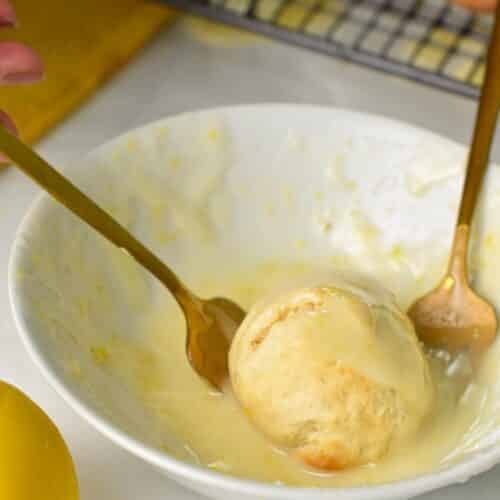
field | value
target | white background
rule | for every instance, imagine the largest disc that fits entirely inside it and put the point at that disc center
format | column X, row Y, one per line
column 177, row 73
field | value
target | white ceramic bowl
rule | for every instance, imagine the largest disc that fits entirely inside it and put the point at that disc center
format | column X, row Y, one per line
column 228, row 166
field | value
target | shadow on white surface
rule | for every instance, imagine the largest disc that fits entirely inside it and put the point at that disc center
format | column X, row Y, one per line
column 483, row 487
column 108, row 473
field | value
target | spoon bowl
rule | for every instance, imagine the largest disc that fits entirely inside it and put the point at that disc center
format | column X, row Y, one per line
column 453, row 316
column 210, row 327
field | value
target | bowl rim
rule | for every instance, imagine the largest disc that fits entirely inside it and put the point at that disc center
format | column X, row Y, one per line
column 456, row 473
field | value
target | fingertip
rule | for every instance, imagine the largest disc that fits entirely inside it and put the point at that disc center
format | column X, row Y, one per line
column 484, row 6
column 7, row 14
column 19, row 63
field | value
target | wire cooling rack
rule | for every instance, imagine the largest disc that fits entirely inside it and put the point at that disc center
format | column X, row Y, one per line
column 429, row 41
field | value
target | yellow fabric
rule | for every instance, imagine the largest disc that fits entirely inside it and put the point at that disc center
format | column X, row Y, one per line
column 82, row 43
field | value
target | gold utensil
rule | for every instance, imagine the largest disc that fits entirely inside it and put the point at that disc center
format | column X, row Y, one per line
column 453, row 316
column 210, row 323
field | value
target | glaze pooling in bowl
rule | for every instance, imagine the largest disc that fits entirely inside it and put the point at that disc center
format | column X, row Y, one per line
column 255, row 184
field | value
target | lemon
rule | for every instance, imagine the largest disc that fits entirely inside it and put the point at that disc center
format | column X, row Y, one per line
column 35, row 463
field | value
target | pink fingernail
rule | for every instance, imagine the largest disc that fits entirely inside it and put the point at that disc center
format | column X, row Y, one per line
column 22, row 77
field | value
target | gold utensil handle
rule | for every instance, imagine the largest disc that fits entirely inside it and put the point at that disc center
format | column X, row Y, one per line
column 81, row 205
column 485, row 128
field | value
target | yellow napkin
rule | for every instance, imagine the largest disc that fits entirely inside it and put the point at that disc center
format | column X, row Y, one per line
column 82, row 43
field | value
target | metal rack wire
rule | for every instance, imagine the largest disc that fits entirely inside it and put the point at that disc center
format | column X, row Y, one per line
column 429, row 41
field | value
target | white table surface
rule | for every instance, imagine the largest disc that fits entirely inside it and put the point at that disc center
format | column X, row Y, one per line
column 173, row 74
